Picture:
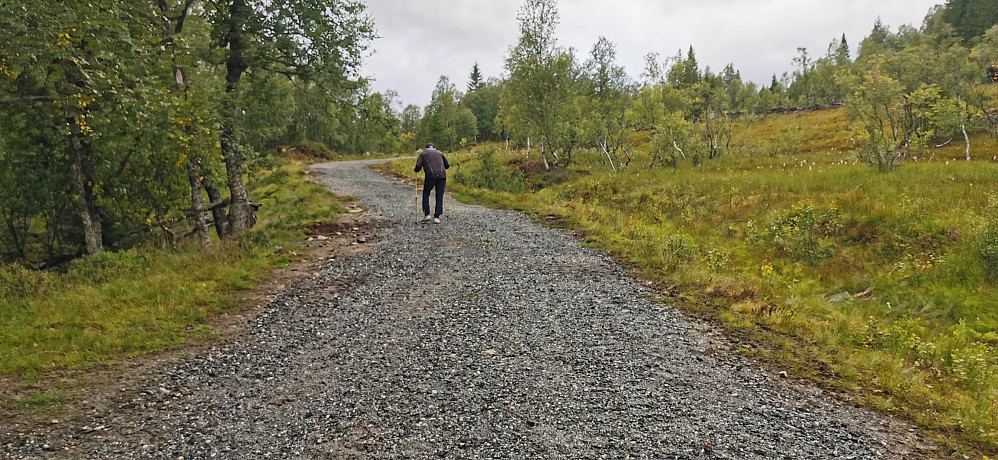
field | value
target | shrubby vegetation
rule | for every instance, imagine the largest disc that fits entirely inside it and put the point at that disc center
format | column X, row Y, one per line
column 490, row 173
column 149, row 298
column 906, row 93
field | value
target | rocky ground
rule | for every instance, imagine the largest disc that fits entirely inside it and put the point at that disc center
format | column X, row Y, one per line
column 485, row 336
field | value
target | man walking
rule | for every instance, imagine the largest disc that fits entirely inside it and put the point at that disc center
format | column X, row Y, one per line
column 435, row 165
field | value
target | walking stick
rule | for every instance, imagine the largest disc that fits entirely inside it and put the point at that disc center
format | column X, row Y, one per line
column 415, row 187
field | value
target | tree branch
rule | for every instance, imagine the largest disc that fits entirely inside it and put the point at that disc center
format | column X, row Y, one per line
column 183, row 17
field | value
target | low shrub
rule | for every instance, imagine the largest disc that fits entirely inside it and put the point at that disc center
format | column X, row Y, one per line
column 107, row 266
column 987, row 246
column 309, row 149
column 803, row 231
column 490, row 173
column 17, row 282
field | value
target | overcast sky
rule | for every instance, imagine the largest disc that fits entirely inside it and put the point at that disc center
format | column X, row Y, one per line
column 424, row 39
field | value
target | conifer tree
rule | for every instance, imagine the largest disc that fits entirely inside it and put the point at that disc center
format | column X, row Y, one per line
column 691, row 76
column 842, row 54
column 475, row 80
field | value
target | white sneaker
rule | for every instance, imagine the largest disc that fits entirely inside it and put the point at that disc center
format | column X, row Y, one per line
column 427, row 218
column 436, row 220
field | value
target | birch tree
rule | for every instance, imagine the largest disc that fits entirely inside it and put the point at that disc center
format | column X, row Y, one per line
column 609, row 92
column 314, row 40
column 537, row 96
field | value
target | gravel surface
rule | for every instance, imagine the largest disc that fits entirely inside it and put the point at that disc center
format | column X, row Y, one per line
column 485, row 336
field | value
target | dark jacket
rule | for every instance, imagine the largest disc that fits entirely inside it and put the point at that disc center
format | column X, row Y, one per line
column 435, row 163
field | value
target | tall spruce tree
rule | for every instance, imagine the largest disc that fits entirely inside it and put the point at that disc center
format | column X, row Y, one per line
column 842, row 56
column 475, row 79
column 691, row 75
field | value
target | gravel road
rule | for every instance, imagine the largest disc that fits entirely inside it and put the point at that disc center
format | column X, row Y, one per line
column 486, row 336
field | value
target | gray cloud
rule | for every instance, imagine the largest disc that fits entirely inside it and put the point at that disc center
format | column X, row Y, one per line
column 424, row 39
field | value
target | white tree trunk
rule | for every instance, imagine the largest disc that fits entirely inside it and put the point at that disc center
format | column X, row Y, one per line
column 194, row 177
column 966, row 138
column 544, row 156
column 608, row 157
column 92, row 229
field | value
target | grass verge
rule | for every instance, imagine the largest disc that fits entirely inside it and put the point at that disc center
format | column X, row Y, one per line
column 144, row 300
column 883, row 285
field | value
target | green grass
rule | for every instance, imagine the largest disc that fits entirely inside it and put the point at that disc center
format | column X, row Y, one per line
column 145, row 300
column 761, row 240
column 40, row 401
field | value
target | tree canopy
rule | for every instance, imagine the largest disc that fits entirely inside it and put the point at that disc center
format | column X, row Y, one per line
column 119, row 115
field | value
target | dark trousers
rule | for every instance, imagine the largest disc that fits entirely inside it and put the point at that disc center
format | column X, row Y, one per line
column 428, row 185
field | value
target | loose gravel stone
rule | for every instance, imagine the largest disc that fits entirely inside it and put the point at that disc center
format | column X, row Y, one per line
column 488, row 336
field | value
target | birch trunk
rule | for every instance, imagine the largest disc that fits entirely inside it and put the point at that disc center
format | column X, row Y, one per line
column 240, row 212
column 608, row 157
column 83, row 189
column 197, row 202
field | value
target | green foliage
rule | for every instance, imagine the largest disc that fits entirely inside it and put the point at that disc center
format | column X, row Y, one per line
column 892, row 123
column 491, row 174
column 80, row 81
column 377, row 126
column 548, row 178
column 312, row 149
column 987, row 245
column 316, row 41
column 445, row 122
column 680, row 248
column 958, row 354
column 815, row 82
column 803, row 231
column 118, row 112
column 675, row 138
column 608, row 94
column 39, row 401
column 268, row 110
column 537, row 101
column 122, row 304
column 108, row 266
column 19, row 282
column 717, row 260
column 970, row 18
column 483, row 102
